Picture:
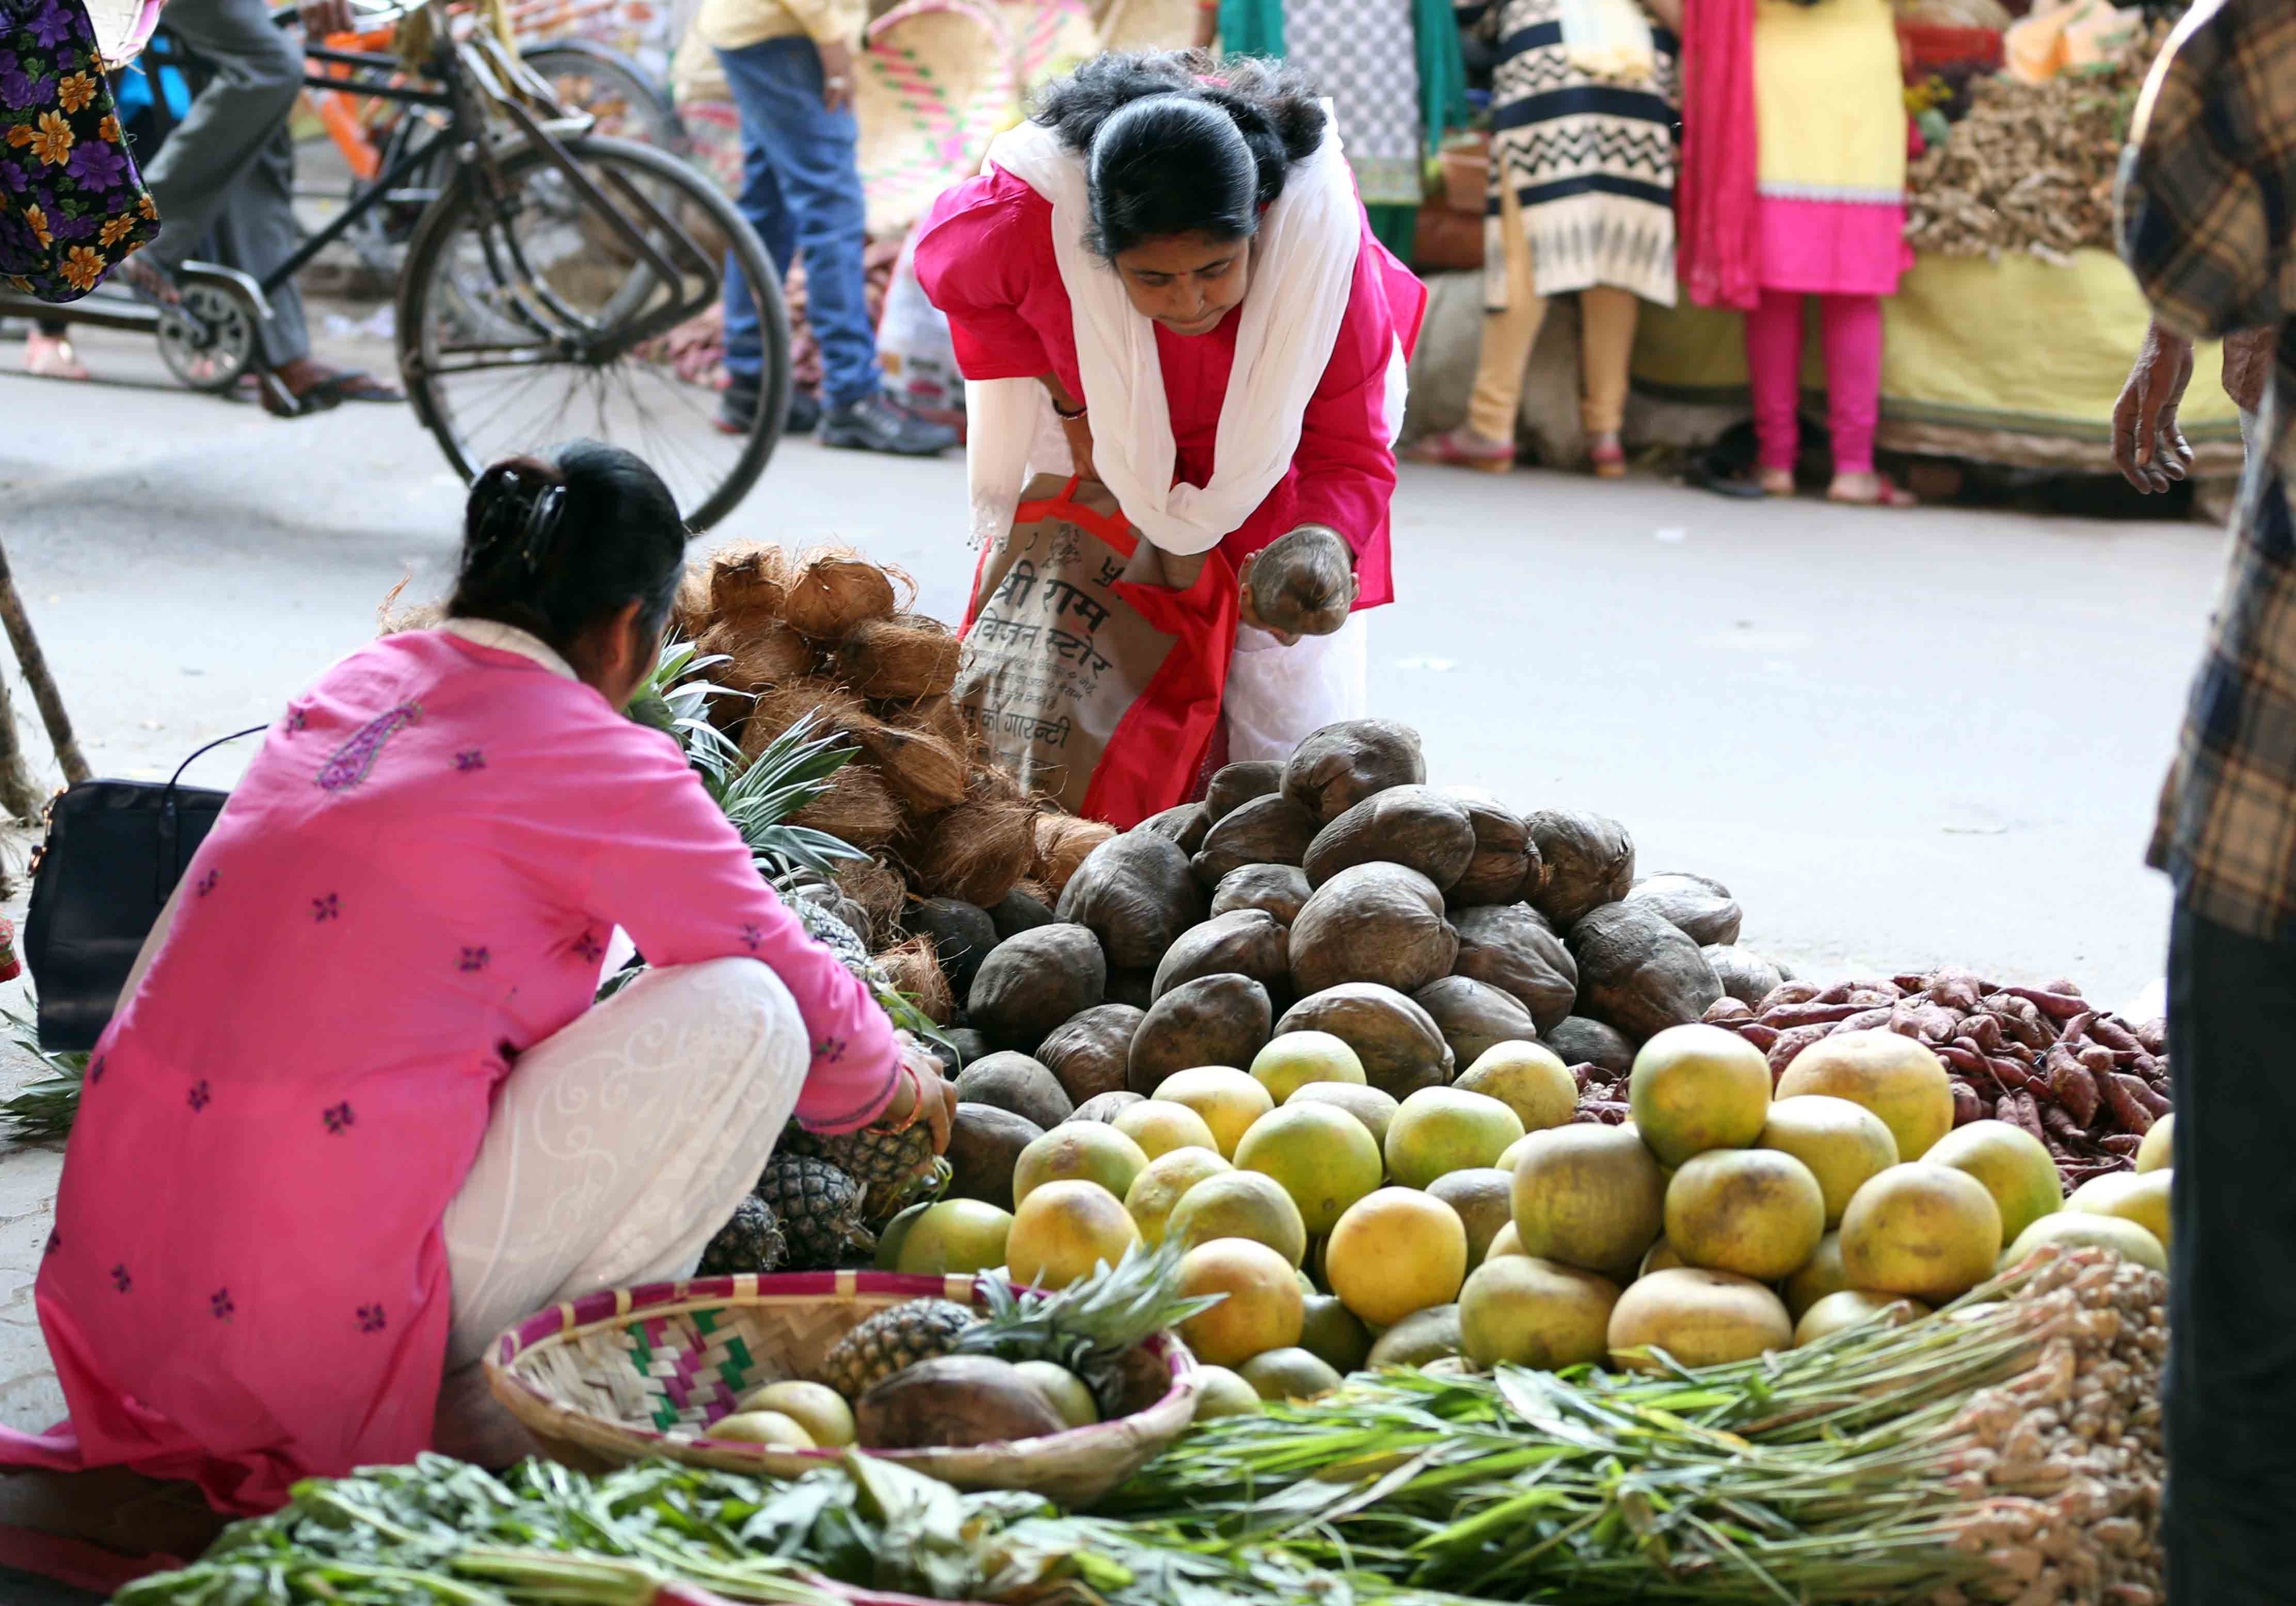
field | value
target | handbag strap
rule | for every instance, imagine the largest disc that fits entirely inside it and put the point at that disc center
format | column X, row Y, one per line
column 169, row 873
column 253, row 730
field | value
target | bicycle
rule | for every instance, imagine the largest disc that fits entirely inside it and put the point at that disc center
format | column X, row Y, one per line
column 547, row 285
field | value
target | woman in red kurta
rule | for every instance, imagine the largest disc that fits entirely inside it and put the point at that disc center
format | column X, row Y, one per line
column 1180, row 170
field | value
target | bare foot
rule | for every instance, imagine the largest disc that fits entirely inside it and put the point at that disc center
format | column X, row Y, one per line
column 1776, row 483
column 471, row 1425
column 50, row 356
column 1870, row 490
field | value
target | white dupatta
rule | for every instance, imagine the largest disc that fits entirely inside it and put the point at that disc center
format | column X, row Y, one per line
column 1302, row 269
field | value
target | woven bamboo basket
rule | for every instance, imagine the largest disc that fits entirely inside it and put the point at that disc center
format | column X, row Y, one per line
column 1146, row 24
column 936, row 83
column 1050, row 38
column 636, row 1372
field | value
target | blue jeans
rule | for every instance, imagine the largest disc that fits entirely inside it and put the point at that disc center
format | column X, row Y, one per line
column 801, row 192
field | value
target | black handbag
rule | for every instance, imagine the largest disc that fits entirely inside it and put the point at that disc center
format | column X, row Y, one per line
column 114, row 853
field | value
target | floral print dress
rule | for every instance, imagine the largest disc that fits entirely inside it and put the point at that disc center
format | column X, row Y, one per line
column 71, row 204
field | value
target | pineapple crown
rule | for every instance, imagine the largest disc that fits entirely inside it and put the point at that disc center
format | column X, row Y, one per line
column 1093, row 1319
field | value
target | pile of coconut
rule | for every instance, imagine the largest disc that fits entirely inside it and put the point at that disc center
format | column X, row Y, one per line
column 949, row 834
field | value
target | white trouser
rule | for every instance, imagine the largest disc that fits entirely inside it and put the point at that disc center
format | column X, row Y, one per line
column 618, row 1147
column 1278, row 695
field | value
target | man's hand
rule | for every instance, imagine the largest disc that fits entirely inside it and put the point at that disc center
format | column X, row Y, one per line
column 836, row 76
column 322, row 18
column 2148, row 448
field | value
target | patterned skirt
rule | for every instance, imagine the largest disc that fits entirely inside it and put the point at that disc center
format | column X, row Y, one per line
column 1592, row 162
column 1363, row 54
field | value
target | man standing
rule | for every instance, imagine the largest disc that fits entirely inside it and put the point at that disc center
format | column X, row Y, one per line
column 2209, row 226
column 790, row 64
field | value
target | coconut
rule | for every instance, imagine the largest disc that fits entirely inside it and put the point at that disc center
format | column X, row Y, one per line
column 1020, row 911
column 757, row 653
column 1036, row 982
column 1417, row 827
column 834, row 711
column 1062, row 844
column 1704, row 908
column 956, row 1400
column 1473, row 1015
column 1137, row 895
column 1107, row 1106
column 857, row 806
column 1246, row 942
column 1512, row 947
column 962, row 935
column 1234, row 785
column 1638, row 972
column 1212, row 1021
column 1267, row 830
column 1505, row 865
column 1018, row 1083
column 1578, row 1041
column 878, row 891
column 907, row 657
column 1090, row 1053
column 912, row 970
column 970, row 1045
column 833, row 592
column 1303, row 582
column 1340, row 766
column 940, row 716
column 1185, row 825
column 1373, row 922
column 1280, row 890
column 927, row 774
column 691, row 611
column 977, row 851
column 748, row 580
column 1744, row 974
column 1397, row 1042
column 1588, row 860
column 1134, row 987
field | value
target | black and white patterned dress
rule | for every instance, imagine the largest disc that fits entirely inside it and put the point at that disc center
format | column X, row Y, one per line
column 1592, row 161
column 1363, row 54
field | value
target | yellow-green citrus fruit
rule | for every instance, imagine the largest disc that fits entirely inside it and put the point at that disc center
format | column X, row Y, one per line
column 1845, row 1145
column 1589, row 1196
column 1374, row 1109
column 1919, row 1229
column 1822, row 1276
column 1700, row 1318
column 1240, row 1204
column 1698, row 1087
column 1484, row 1199
column 1757, row 1212
column 1262, row 1311
column 956, row 1235
column 1157, row 1191
column 1528, row 1078
column 1397, row 1251
column 816, row 1407
column 1079, row 1152
column 2080, row 1229
column 1332, row 1331
column 1441, row 1130
column 1849, row 1307
column 763, row 1428
column 2156, row 1152
column 1321, row 1156
column 1064, row 1229
column 1289, row 1374
column 1220, row 1392
column 1534, row 1313
column 1895, row 1077
column 1063, row 1389
column 2141, row 1198
column 2014, row 1166
column 1228, row 1099
column 1296, row 1060
column 1160, row 1126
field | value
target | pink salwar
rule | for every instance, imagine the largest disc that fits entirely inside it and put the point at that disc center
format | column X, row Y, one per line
column 1852, row 328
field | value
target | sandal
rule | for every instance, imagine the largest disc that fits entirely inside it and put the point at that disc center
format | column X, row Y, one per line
column 323, row 397
column 1887, row 493
column 1462, row 448
column 1608, row 457
column 52, row 357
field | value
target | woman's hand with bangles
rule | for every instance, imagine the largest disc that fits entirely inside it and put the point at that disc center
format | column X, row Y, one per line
column 923, row 1088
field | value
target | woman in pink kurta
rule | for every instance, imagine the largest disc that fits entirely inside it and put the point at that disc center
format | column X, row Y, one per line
column 1180, row 170
column 377, row 978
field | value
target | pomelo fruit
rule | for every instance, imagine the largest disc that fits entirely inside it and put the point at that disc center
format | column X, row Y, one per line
column 1663, row 1257
column 1220, row 1392
column 1298, row 1059
column 954, row 1235
column 1700, row 1318
column 1332, row 1331
column 763, row 1428
column 1508, row 1242
column 1528, row 1078
column 1374, row 1109
column 1240, row 1204
column 1757, row 1212
column 816, row 1407
column 1065, row 1229
column 1843, row 1144
column 1919, row 1229
column 1534, row 1313
column 1439, row 1130
column 1698, row 1087
column 1289, row 1374
column 2014, row 1166
column 1157, row 1191
column 1893, row 1076
column 2141, row 1198
column 1262, row 1310
column 2156, row 1152
column 1484, row 1199
column 1847, row 1307
column 1822, row 1276
column 1420, row 1338
column 1090, row 1152
column 1397, row 1251
column 2081, row 1229
column 1515, row 1150
column 1063, row 1389
column 1321, row 1156
column 1589, row 1196
column 895, row 1233
column 1160, row 1126
column 1228, row 1099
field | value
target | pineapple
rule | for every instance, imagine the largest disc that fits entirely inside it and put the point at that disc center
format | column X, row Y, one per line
column 1087, row 1327
column 751, row 1242
column 895, row 1169
column 819, row 1208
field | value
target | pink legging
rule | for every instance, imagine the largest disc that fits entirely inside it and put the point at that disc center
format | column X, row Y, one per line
column 1853, row 377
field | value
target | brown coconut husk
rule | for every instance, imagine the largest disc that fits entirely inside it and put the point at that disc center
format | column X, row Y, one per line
column 992, row 783
column 777, row 708
column 917, row 975
column 392, row 616
column 835, row 592
column 1044, row 892
column 908, row 657
column 935, row 716
column 927, row 773
column 691, row 611
column 858, row 808
column 758, row 653
column 1061, row 844
column 749, row 582
column 977, row 852
column 881, row 890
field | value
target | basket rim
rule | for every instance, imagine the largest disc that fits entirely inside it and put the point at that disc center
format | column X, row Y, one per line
column 617, row 1307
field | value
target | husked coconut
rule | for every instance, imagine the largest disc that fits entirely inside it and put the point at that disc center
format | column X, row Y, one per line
column 1267, row 830
column 1473, row 1015
column 1234, row 785
column 1639, row 971
column 1340, row 766
column 1704, row 908
column 1137, row 893
column 1578, row 1041
column 1396, row 1040
column 1373, row 922
column 1016, row 1083
column 1512, row 947
column 1744, row 974
column 1185, row 825
column 1505, row 868
column 1088, row 1054
column 1417, row 827
column 1245, row 942
column 1281, row 890
column 984, row 1144
column 1588, row 859
column 1031, row 983
column 1212, row 1021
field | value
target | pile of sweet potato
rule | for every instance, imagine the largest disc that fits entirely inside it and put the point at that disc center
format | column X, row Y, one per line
column 2086, row 1083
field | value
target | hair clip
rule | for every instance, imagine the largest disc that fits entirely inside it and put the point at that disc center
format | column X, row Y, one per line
column 541, row 524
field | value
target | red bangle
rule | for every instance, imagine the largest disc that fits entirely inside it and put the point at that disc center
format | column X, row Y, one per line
column 916, row 1099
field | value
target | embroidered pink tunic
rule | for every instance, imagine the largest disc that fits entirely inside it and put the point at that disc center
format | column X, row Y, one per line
column 985, row 257
column 416, row 879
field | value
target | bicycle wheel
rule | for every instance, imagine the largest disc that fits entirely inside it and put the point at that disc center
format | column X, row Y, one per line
column 537, row 312
column 591, row 77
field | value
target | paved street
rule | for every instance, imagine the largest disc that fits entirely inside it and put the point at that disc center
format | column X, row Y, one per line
column 1899, row 738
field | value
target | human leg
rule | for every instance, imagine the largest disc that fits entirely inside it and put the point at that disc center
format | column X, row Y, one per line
column 255, row 231
column 48, row 352
column 2230, row 1383
column 619, row 1146
column 1853, row 389
column 1487, row 439
column 1773, row 369
column 258, row 73
column 1607, row 317
column 760, row 201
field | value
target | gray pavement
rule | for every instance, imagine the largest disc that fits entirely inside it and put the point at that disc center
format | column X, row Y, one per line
column 1900, row 739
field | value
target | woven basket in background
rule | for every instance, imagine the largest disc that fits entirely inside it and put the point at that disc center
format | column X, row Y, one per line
column 936, row 83
column 1146, row 24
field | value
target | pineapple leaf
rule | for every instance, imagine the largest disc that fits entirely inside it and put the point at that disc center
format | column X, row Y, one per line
column 1092, row 1319
column 789, row 772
